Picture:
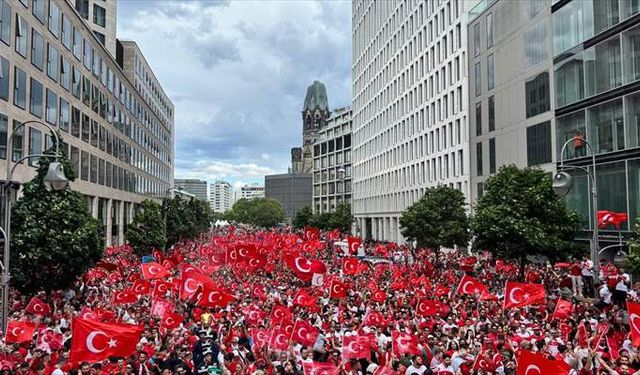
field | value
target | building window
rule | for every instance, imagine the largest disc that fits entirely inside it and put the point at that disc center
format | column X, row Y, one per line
column 476, row 39
column 93, row 176
column 22, row 32
column 20, row 88
column 99, row 15
column 82, row 6
column 537, row 95
column 75, row 122
column 569, row 82
column 4, row 124
column 77, row 43
column 605, row 73
column 568, row 127
column 5, row 22
column 65, row 73
column 76, row 78
column 37, row 49
column 54, row 19
column 52, row 62
column 100, row 36
column 4, row 79
column 492, row 155
column 490, row 83
column 35, row 144
column 17, row 142
column 37, row 8
column 572, row 24
column 35, row 98
column 606, row 127
column 539, row 144
column 86, row 126
column 84, row 166
column 489, row 30
column 479, row 159
column 64, row 115
column 478, row 119
column 66, row 32
column 492, row 114
column 480, row 187
column 477, row 79
column 86, row 56
column 536, row 44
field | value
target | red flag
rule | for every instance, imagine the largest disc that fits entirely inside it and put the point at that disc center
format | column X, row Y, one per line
column 260, row 337
column 486, row 296
column 18, row 332
column 304, row 333
column 354, row 244
column 338, row 289
column 257, row 262
column 581, row 336
column 311, row 233
column 334, row 235
column 304, row 299
column 427, row 307
column 214, row 297
column 530, row 363
column 160, row 288
column 606, row 218
column 49, row 340
column 384, row 370
column 280, row 314
column 171, row 320
column 159, row 307
column 186, row 267
column 141, row 287
column 469, row 285
column 279, row 339
column 634, row 321
column 482, row 362
column 355, row 347
column 524, row 294
column 37, row 307
column 319, row 368
column 375, row 319
column 563, row 310
column 253, row 315
column 192, row 282
column 305, row 268
column 404, row 343
column 153, row 270
column 124, row 296
column 93, row 341
column 378, row 295
column 350, row 266
column 87, row 314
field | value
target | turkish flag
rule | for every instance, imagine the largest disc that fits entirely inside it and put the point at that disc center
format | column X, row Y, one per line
column 153, row 270
column 160, row 288
column 245, row 251
column 87, row 314
column 470, row 285
column 305, row 268
column 355, row 347
column 404, row 343
column 375, row 319
column 121, row 297
column 214, row 297
column 530, row 363
column 160, row 307
column 427, row 307
column 304, row 333
column 486, row 296
column 524, row 294
column 279, row 314
column 563, row 310
column 311, row 233
column 253, row 315
column 354, row 244
column 350, row 266
column 192, row 282
column 304, row 299
column 319, row 368
column 141, row 287
column 18, row 332
column 257, row 262
column 48, row 339
column 37, row 307
column 187, row 267
column 634, row 321
column 606, row 218
column 334, row 235
column 107, row 265
column 171, row 320
column 378, row 295
column 483, row 362
column 279, row 339
column 94, row 342
column 338, row 289
column 260, row 337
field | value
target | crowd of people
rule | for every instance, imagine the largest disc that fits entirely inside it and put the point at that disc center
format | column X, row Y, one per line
column 251, row 332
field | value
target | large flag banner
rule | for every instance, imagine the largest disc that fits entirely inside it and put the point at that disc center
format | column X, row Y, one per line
column 93, row 341
column 524, row 294
column 530, row 363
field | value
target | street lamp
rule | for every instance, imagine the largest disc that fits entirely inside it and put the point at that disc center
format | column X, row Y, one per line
column 562, row 184
column 53, row 180
column 169, row 195
column 341, row 175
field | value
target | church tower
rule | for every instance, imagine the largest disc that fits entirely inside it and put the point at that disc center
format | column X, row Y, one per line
column 314, row 116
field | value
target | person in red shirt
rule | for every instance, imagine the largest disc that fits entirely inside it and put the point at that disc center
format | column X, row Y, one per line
column 575, row 272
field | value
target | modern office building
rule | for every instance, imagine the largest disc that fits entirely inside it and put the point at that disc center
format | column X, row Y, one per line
column 332, row 162
column 251, row 192
column 101, row 16
column 409, row 107
column 193, row 186
column 510, row 96
column 56, row 70
column 292, row 190
column 221, row 196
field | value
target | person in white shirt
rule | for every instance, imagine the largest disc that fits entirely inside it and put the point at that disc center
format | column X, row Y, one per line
column 605, row 297
column 417, row 366
column 620, row 293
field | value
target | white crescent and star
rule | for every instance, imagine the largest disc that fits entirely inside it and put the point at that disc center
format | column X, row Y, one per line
column 464, row 287
column 632, row 321
column 188, row 288
column 511, row 295
column 18, row 330
column 303, row 269
column 91, row 346
column 535, row 370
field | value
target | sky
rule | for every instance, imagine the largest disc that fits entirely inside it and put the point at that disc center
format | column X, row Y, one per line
column 237, row 73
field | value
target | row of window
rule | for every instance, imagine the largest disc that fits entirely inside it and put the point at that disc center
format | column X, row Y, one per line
column 332, row 173
column 332, row 145
column 332, row 188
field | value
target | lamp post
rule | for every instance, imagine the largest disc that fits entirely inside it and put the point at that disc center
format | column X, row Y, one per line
column 53, row 180
column 341, row 175
column 169, row 195
column 562, row 184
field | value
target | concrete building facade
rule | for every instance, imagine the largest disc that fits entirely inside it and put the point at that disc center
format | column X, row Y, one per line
column 292, row 190
column 101, row 16
column 251, row 192
column 193, row 186
column 332, row 162
column 409, row 107
column 220, row 196
column 56, row 71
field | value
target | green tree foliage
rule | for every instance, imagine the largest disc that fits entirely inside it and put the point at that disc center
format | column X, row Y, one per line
column 186, row 218
column 341, row 218
column 146, row 232
column 437, row 220
column 302, row 217
column 633, row 260
column 321, row 220
column 261, row 212
column 54, row 238
column 520, row 214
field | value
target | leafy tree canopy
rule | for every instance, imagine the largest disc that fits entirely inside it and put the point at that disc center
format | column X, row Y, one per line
column 302, row 217
column 146, row 231
column 186, row 218
column 633, row 260
column 261, row 212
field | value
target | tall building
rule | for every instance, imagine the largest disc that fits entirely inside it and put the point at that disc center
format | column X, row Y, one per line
column 101, row 16
column 251, row 192
column 193, row 186
column 221, row 196
column 314, row 116
column 56, row 70
column 332, row 162
column 409, row 107
column 292, row 190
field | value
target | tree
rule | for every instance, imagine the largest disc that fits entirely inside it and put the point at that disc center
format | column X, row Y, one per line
column 261, row 212
column 321, row 220
column 186, row 218
column 54, row 238
column 302, row 217
column 341, row 218
column 146, row 231
column 437, row 220
column 633, row 259
column 520, row 214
